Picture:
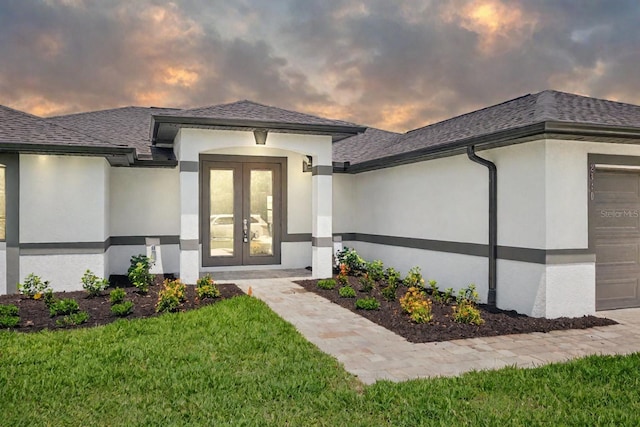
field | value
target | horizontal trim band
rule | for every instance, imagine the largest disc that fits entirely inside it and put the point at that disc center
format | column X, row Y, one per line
column 322, row 242
column 141, row 240
column 511, row 253
column 52, row 248
column 187, row 166
column 322, row 170
column 189, row 244
column 296, row 237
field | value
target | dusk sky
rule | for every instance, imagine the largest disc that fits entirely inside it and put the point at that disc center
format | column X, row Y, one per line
column 396, row 65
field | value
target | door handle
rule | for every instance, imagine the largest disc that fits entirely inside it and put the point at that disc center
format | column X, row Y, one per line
column 245, row 231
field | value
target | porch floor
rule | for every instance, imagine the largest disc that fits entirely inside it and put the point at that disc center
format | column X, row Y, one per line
column 373, row 353
column 299, row 273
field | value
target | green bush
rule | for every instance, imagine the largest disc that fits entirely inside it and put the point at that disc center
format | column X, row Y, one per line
column 366, row 283
column 73, row 319
column 64, row 306
column 206, row 288
column 140, row 277
column 33, row 286
column 368, row 303
column 375, row 269
column 347, row 292
column 9, row 317
column 122, row 309
column 140, row 259
column 466, row 311
column 49, row 298
column 326, row 284
column 93, row 284
column 414, row 278
column 389, row 292
column 351, row 259
column 171, row 297
column 392, row 276
column 116, row 296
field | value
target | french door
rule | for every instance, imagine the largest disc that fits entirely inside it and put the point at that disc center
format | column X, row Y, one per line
column 241, row 210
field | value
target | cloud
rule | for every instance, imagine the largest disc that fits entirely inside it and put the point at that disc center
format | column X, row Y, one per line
column 392, row 65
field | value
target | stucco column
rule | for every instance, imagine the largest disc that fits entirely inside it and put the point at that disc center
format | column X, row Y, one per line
column 189, row 239
column 322, row 230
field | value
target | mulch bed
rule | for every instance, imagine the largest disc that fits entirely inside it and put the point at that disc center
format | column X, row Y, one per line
column 34, row 315
column 442, row 327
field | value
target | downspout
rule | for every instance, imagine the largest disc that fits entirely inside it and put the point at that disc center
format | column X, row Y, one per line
column 493, row 221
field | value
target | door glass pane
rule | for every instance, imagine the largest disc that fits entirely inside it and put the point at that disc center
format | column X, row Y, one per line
column 221, row 213
column 261, row 208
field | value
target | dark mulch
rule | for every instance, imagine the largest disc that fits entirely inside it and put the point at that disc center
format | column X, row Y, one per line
column 34, row 315
column 442, row 327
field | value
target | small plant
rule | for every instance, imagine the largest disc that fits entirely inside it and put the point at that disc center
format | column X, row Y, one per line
column 392, row 276
column 343, row 275
column 140, row 259
column 417, row 305
column 326, row 284
column 389, row 292
column 116, row 296
column 368, row 303
column 93, row 284
column 465, row 310
column 206, row 288
column 351, row 258
column 375, row 270
column 447, row 296
column 140, row 277
column 414, row 278
column 171, row 297
column 367, row 283
column 347, row 292
column 64, row 306
column 122, row 309
column 73, row 319
column 9, row 317
column 49, row 298
column 33, row 286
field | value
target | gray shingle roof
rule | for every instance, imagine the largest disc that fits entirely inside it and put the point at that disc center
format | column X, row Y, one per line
column 127, row 125
column 526, row 110
column 365, row 146
column 249, row 110
column 17, row 127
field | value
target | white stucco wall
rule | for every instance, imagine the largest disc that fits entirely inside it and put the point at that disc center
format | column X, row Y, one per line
column 63, row 199
column 144, row 202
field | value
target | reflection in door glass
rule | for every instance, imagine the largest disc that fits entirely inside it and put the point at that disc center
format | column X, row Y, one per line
column 261, row 208
column 221, row 212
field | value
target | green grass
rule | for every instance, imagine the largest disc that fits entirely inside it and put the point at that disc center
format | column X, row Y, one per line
column 238, row 363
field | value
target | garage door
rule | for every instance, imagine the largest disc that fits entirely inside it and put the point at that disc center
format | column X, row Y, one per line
column 615, row 235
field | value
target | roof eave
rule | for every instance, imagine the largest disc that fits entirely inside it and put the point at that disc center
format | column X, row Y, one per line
column 499, row 139
column 339, row 131
column 116, row 156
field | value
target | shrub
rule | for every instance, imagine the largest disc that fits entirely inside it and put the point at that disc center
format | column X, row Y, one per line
column 140, row 277
column 392, row 276
column 414, row 278
column 344, row 273
column 368, row 303
column 375, row 269
column 49, row 298
column 389, row 292
column 122, row 309
column 367, row 283
column 33, row 286
column 206, row 288
column 326, row 284
column 347, row 292
column 466, row 311
column 64, row 306
column 171, row 297
column 351, row 259
column 73, row 319
column 417, row 305
column 9, row 317
column 140, row 259
column 447, row 296
column 116, row 296
column 93, row 284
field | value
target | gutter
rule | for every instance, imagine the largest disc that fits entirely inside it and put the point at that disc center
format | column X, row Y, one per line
column 493, row 221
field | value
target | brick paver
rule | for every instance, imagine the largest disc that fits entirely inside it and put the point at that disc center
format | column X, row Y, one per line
column 352, row 339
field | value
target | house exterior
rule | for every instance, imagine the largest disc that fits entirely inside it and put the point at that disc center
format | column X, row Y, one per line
column 535, row 200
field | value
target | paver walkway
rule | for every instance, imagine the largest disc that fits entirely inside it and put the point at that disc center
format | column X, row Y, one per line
column 353, row 339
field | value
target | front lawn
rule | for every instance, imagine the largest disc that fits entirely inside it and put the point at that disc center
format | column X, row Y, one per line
column 237, row 362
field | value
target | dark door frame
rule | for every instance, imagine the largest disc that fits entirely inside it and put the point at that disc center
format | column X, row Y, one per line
column 241, row 254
